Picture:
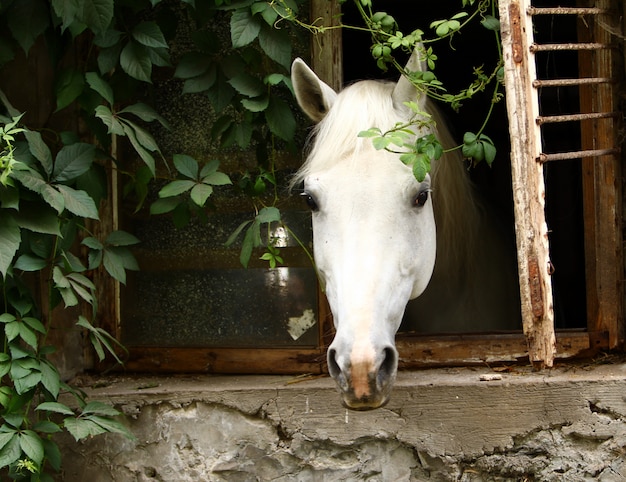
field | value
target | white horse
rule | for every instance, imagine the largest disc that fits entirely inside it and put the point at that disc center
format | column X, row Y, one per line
column 380, row 235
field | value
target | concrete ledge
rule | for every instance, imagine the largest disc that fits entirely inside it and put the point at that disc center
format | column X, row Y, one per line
column 441, row 424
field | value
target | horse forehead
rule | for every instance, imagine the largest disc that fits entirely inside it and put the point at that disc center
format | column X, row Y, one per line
column 364, row 176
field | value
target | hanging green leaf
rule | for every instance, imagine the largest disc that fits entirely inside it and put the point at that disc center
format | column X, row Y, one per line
column 101, row 86
column 10, row 238
column 113, row 124
column 78, row 202
column 280, row 119
column 27, row 19
column 97, row 14
column 135, row 61
column 186, row 165
column 244, row 28
column 149, row 34
column 39, row 150
column 69, row 84
column 145, row 113
column 72, row 161
column 277, row 45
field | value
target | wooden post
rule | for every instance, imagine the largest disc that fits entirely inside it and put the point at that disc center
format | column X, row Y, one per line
column 326, row 47
column 528, row 184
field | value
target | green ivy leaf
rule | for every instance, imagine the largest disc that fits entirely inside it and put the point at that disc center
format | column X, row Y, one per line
column 145, row 113
column 73, row 160
column 69, row 84
column 268, row 214
column 164, row 205
column 67, row 11
column 38, row 218
column 5, row 367
column 135, row 61
column 78, row 202
column 108, row 58
column 12, row 330
column 266, row 10
column 381, row 142
column 55, row 407
column 50, row 378
column 490, row 152
column 112, row 425
column 10, row 238
column 186, row 165
column 235, row 234
column 30, row 381
column 53, row 197
column 247, row 85
column 192, row 64
column 27, row 19
column 149, row 34
column 97, row 14
column 11, row 451
column 258, row 104
column 175, row 188
column 217, row 179
column 248, row 245
column 28, row 336
column 244, row 28
column 81, row 428
column 46, row 426
column 113, row 124
column 280, row 119
column 490, row 23
column 221, row 94
column 141, row 135
column 100, row 85
column 145, row 155
column 32, row 446
column 117, row 260
column 200, row 193
column 121, row 238
column 201, row 82
column 276, row 44
column 39, row 150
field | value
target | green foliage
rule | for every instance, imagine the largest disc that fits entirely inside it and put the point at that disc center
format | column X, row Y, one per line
column 388, row 41
column 52, row 181
column 42, row 212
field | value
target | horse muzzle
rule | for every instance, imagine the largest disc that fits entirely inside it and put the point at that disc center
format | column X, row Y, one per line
column 365, row 383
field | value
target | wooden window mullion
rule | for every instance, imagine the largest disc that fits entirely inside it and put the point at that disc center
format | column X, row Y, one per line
column 528, row 183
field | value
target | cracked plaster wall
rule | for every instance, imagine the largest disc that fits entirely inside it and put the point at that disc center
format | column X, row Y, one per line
column 439, row 426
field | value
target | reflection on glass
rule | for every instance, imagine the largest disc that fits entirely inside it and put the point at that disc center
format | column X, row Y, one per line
column 225, row 307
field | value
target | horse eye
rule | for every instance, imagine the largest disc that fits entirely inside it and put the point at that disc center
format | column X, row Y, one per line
column 421, row 199
column 310, row 201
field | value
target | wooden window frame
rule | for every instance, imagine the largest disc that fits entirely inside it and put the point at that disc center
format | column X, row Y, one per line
column 539, row 342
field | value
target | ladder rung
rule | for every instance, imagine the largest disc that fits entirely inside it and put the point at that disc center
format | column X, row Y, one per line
column 564, row 156
column 570, row 82
column 570, row 46
column 566, row 11
column 551, row 119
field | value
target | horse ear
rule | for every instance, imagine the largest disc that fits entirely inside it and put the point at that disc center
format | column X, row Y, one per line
column 313, row 95
column 404, row 90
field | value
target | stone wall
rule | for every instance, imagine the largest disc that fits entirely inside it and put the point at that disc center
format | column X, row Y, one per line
column 441, row 425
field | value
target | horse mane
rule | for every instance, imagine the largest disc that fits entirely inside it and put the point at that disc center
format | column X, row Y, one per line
column 368, row 104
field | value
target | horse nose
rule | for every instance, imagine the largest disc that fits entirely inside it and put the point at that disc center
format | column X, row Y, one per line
column 365, row 382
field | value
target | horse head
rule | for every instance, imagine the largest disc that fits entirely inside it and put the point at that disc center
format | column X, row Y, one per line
column 373, row 226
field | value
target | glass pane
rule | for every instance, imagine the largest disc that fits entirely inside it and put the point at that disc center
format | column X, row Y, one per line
column 225, row 307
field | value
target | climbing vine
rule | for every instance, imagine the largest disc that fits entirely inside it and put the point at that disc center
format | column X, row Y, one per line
column 106, row 56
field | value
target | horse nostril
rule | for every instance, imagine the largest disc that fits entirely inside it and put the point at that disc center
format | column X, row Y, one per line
column 388, row 366
column 333, row 366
